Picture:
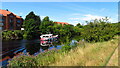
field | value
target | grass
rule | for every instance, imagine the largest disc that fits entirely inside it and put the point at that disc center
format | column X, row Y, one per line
column 114, row 59
column 92, row 54
column 84, row 54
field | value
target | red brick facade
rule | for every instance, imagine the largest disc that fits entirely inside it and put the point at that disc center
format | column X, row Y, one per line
column 10, row 21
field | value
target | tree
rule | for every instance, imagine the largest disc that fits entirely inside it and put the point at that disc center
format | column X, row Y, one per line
column 36, row 18
column 79, row 25
column 31, row 25
column 46, row 25
column 46, row 19
column 98, row 30
column 30, row 29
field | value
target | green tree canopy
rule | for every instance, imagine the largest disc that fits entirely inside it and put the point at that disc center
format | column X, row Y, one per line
column 99, row 30
column 36, row 18
column 46, row 25
column 46, row 19
column 79, row 25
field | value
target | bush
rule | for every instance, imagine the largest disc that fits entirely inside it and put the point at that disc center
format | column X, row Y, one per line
column 98, row 31
column 22, row 61
column 9, row 35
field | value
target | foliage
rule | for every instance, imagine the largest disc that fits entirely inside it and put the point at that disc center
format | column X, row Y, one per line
column 46, row 26
column 30, row 29
column 79, row 25
column 9, row 35
column 98, row 31
column 31, row 26
column 36, row 18
column 23, row 61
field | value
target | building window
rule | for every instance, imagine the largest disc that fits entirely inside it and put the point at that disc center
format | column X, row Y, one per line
column 11, row 24
column 11, row 20
column 18, row 21
column 18, row 25
column 1, row 24
column 1, row 15
column 1, row 20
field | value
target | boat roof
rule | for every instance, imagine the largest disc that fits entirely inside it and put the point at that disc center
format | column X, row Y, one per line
column 47, row 35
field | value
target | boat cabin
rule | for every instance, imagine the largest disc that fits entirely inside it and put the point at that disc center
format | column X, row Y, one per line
column 46, row 36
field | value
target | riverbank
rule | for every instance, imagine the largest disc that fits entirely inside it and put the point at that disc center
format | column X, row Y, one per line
column 93, row 54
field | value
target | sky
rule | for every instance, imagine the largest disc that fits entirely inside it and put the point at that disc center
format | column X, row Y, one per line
column 70, row 12
column 59, row 0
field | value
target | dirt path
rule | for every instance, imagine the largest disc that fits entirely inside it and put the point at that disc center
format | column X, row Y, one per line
column 114, row 59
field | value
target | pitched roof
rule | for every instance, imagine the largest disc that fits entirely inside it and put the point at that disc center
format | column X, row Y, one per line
column 61, row 23
column 5, row 13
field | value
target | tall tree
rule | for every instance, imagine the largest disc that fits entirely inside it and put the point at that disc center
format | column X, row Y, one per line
column 36, row 18
column 46, row 25
column 31, row 25
column 30, row 29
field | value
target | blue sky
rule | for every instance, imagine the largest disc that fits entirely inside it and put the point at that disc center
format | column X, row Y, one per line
column 71, row 12
column 59, row 0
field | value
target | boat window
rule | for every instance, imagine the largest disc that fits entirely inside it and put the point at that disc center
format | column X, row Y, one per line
column 43, row 36
column 47, row 36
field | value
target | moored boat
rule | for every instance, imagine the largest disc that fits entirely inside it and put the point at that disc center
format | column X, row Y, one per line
column 48, row 37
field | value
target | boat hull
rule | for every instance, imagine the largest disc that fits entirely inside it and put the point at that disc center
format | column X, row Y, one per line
column 55, row 38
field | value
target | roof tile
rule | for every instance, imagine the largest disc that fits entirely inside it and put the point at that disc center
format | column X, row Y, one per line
column 5, row 13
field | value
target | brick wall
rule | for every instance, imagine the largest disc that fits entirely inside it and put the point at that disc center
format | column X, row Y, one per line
column 11, row 22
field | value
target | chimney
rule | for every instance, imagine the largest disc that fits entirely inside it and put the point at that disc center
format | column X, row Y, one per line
column 7, row 10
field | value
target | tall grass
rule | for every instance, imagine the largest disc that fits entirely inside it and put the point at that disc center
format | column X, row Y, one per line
column 92, row 54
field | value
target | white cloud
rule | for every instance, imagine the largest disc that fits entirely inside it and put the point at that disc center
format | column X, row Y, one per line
column 113, row 20
column 74, row 18
column 74, row 22
column 89, row 17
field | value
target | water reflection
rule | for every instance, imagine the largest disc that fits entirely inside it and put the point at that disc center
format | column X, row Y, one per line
column 32, row 48
column 46, row 43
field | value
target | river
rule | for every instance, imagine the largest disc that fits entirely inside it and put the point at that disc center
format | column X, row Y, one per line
column 27, row 47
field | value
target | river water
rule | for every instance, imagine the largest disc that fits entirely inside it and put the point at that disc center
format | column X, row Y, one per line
column 27, row 47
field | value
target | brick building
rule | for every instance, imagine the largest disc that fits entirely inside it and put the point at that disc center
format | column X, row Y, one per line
column 10, row 21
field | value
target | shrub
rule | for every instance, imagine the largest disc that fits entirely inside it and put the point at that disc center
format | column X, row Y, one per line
column 9, row 35
column 22, row 61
